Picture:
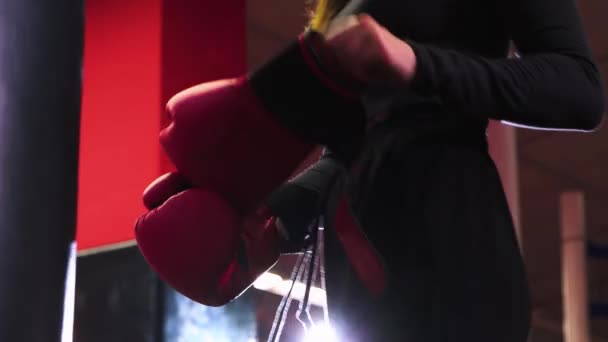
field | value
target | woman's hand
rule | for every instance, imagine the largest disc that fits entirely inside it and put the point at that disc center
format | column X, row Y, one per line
column 369, row 51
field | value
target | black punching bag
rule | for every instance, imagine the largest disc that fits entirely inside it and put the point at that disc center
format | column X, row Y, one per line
column 41, row 44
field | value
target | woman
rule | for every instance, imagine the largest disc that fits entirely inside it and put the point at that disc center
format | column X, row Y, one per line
column 424, row 189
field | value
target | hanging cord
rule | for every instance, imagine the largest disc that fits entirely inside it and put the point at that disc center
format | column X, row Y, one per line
column 279, row 318
column 303, row 315
column 303, row 264
column 322, row 271
column 318, row 245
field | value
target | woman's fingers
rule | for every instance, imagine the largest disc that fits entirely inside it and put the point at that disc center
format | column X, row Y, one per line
column 369, row 51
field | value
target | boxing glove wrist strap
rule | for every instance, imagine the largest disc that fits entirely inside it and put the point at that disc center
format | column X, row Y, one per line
column 311, row 102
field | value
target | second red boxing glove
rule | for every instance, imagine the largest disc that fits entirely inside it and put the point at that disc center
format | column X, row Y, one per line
column 209, row 252
column 198, row 244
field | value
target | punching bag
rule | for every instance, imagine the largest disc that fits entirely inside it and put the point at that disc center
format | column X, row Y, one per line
column 41, row 46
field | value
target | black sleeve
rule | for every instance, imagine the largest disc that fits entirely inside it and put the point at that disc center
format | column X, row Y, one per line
column 300, row 201
column 555, row 85
column 296, row 88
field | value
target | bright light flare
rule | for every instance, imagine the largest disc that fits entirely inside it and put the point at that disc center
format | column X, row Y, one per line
column 321, row 333
column 274, row 283
column 267, row 281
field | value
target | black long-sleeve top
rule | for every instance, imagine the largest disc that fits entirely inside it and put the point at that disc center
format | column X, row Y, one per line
column 462, row 66
column 446, row 201
column 454, row 263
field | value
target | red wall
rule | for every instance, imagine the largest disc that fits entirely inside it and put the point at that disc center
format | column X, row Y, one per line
column 121, row 104
column 137, row 54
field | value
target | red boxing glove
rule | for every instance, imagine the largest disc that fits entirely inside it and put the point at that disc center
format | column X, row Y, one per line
column 241, row 138
column 200, row 245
